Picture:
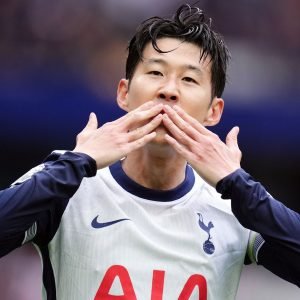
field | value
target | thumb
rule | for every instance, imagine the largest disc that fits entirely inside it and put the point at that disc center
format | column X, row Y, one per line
column 231, row 138
column 92, row 123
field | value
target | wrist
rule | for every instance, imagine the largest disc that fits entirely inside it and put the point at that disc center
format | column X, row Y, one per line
column 225, row 184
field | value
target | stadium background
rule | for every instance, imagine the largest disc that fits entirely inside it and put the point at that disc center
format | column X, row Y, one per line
column 61, row 59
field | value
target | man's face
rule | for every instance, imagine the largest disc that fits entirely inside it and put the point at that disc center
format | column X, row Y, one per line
column 177, row 77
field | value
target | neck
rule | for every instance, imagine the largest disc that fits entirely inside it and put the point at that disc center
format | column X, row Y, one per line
column 159, row 171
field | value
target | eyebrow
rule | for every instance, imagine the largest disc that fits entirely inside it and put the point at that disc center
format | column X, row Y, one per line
column 165, row 63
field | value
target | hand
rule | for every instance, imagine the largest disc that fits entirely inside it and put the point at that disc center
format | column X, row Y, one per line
column 116, row 139
column 205, row 152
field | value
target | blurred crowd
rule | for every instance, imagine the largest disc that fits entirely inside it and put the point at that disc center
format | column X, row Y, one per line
column 61, row 59
column 88, row 38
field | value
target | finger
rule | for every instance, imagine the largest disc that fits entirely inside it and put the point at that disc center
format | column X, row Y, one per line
column 180, row 149
column 147, row 105
column 138, row 117
column 193, row 122
column 180, row 123
column 231, row 138
column 187, row 127
column 92, row 123
column 144, row 130
column 176, row 132
column 132, row 146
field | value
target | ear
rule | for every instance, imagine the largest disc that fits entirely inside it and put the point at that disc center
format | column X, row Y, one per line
column 214, row 112
column 122, row 94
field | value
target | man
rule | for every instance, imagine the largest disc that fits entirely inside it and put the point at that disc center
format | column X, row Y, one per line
column 147, row 226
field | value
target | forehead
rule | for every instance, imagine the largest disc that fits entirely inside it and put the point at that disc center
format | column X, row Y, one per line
column 176, row 52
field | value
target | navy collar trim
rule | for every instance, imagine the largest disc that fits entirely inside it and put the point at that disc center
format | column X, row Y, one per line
column 155, row 195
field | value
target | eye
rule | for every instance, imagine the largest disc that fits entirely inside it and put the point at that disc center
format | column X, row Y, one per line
column 155, row 73
column 189, row 79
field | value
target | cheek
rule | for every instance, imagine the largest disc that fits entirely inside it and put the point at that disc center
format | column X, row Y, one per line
column 138, row 94
column 197, row 109
column 134, row 99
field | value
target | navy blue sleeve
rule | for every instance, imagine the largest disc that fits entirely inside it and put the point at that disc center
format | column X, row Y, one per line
column 31, row 209
column 278, row 225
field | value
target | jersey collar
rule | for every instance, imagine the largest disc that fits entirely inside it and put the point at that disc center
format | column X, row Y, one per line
column 155, row 195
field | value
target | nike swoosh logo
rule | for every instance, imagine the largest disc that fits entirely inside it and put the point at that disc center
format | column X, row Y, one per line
column 96, row 224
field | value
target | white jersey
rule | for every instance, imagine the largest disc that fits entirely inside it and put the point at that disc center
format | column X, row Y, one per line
column 118, row 240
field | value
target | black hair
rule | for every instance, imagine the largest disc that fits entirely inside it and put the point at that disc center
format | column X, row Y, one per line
column 188, row 24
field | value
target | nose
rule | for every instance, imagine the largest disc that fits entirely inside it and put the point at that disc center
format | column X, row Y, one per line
column 169, row 91
column 165, row 96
